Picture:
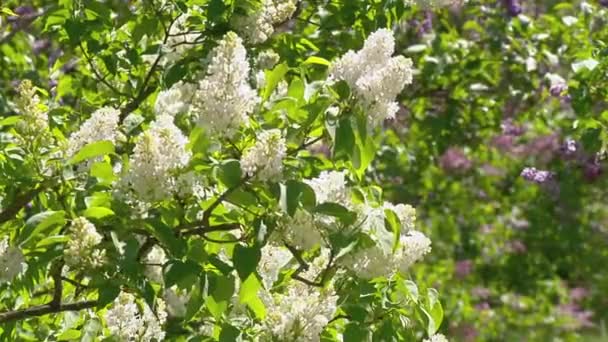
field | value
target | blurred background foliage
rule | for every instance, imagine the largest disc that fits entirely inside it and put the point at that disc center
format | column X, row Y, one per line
column 513, row 260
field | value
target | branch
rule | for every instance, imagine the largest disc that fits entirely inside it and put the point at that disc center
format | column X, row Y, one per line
column 146, row 247
column 46, row 309
column 226, row 227
column 304, row 145
column 20, row 202
column 146, row 90
column 98, row 76
column 219, row 200
column 303, row 267
column 27, row 20
column 58, row 290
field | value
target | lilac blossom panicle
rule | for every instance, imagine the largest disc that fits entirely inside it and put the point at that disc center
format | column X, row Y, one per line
column 510, row 128
column 514, row 7
column 454, row 160
column 538, row 176
column 463, row 268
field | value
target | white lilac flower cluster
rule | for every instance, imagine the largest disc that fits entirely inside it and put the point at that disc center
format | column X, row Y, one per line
column 127, row 322
column 330, row 186
column 11, row 261
column 176, row 300
column 102, row 125
column 81, row 249
column 272, row 260
column 258, row 26
column 158, row 153
column 264, row 160
column 436, row 338
column 34, row 121
column 300, row 312
column 267, row 59
column 180, row 40
column 381, row 259
column 174, row 100
column 302, row 231
column 224, row 98
column 375, row 77
column 154, row 261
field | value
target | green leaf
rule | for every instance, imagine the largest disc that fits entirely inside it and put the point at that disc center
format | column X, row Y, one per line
column 317, row 60
column 296, row 193
column 336, row 210
column 363, row 154
column 229, row 333
column 39, row 223
column 245, row 260
column 230, row 173
column 93, row 150
column 182, row 274
column 10, row 120
column 97, row 212
column 196, row 301
column 103, row 171
column 344, row 143
column 249, row 289
column 273, row 77
column 395, row 226
column 68, row 335
column 296, row 89
column 222, row 290
column 9, row 12
column 356, row 332
column 107, row 293
column 435, row 308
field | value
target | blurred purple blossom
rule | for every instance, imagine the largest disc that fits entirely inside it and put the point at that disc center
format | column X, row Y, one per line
column 510, row 128
column 40, row 45
column 592, row 170
column 454, row 160
column 604, row 3
column 543, row 146
column 427, row 23
column 482, row 306
column 513, row 7
column 578, row 293
column 486, row 229
column 517, row 247
column 481, row 292
column 537, row 176
column 503, row 142
column 569, row 148
column 463, row 268
column 582, row 318
column 557, row 89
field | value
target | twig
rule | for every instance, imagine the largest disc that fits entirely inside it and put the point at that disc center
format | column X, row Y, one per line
column 146, row 247
column 58, row 289
column 74, row 282
column 304, row 145
column 28, row 20
column 220, row 199
column 45, row 309
column 20, row 202
column 146, row 90
column 303, row 267
column 226, row 227
column 98, row 76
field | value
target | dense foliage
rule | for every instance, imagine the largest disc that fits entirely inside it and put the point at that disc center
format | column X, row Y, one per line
column 278, row 170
